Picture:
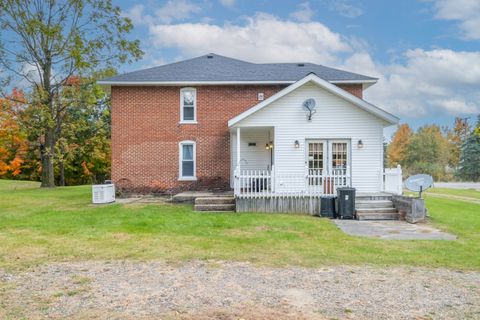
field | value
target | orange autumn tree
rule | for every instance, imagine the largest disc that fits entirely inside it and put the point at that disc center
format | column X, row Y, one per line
column 397, row 149
column 13, row 140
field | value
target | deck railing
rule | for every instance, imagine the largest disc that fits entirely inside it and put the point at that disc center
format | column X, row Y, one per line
column 265, row 183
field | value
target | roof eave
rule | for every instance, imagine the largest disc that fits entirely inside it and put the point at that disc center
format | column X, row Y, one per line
column 109, row 83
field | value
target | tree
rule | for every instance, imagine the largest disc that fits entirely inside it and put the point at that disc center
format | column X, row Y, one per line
column 457, row 137
column 397, row 149
column 45, row 43
column 427, row 152
column 83, row 152
column 469, row 166
column 13, row 142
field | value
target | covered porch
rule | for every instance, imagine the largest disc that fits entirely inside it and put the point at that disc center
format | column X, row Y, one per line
column 322, row 167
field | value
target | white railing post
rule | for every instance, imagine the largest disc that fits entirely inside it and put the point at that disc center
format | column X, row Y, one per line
column 399, row 179
column 382, row 180
column 235, row 181
column 272, row 188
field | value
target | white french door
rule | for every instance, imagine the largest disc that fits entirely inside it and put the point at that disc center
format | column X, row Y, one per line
column 328, row 157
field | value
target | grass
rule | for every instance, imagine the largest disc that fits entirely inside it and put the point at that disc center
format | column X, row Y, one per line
column 470, row 193
column 41, row 226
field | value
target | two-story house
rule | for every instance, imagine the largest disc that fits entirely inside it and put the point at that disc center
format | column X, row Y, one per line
column 214, row 122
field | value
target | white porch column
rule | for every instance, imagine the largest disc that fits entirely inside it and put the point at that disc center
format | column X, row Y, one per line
column 238, row 150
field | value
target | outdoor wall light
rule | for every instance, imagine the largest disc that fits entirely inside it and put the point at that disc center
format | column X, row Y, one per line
column 297, row 144
column 360, row 144
column 269, row 145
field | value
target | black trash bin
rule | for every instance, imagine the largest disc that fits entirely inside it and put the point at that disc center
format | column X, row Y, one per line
column 327, row 207
column 346, row 203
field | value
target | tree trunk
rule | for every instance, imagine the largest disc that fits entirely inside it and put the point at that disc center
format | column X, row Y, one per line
column 61, row 167
column 48, row 178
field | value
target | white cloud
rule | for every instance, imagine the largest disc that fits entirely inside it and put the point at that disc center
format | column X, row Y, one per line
column 420, row 83
column 262, row 38
column 345, row 9
column 304, row 12
column 466, row 12
column 176, row 10
column 228, row 3
column 135, row 13
column 171, row 11
column 429, row 83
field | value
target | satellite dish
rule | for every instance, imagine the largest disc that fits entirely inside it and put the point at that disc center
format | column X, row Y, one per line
column 309, row 106
column 419, row 183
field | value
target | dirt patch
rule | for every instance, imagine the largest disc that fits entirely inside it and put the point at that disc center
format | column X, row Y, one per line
column 227, row 290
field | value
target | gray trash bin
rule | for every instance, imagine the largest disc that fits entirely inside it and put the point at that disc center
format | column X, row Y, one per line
column 346, row 203
column 327, row 207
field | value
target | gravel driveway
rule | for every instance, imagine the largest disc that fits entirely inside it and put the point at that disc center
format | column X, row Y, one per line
column 228, row 290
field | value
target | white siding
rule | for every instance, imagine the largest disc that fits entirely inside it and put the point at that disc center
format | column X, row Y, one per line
column 335, row 118
column 252, row 158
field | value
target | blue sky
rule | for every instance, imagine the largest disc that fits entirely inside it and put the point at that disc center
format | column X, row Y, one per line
column 426, row 52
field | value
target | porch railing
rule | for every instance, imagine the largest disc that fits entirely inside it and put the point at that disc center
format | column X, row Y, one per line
column 265, row 183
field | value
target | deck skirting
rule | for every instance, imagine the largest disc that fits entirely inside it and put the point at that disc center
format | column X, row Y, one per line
column 280, row 204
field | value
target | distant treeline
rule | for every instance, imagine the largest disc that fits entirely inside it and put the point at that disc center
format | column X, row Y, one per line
column 443, row 152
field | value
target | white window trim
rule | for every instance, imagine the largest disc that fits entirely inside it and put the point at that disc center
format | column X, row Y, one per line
column 180, row 160
column 194, row 121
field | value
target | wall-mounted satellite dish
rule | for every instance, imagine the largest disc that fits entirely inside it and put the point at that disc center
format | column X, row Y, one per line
column 419, row 183
column 309, row 106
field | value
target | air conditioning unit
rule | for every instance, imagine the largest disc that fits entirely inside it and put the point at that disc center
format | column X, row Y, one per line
column 103, row 193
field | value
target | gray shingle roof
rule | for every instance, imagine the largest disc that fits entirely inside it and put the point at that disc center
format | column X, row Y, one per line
column 213, row 67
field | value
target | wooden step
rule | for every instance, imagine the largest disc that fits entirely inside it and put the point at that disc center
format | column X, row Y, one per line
column 377, row 215
column 372, row 197
column 373, row 204
column 215, row 200
column 379, row 210
column 215, row 207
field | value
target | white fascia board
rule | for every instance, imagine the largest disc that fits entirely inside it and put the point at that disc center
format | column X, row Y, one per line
column 382, row 114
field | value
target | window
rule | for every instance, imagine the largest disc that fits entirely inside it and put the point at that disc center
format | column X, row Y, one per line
column 187, row 160
column 339, row 155
column 188, row 105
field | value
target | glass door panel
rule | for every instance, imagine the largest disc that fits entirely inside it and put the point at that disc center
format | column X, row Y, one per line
column 316, row 161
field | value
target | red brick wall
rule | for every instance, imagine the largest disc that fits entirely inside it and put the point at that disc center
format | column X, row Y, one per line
column 355, row 89
column 146, row 135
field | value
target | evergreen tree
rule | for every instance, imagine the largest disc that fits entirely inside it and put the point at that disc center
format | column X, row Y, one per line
column 469, row 167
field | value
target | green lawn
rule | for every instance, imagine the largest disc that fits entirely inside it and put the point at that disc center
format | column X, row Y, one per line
column 39, row 226
column 470, row 193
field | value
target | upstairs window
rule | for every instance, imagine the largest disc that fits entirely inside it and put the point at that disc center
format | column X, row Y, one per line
column 188, row 105
column 187, row 160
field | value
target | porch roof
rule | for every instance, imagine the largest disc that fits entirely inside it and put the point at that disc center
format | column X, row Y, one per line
column 382, row 114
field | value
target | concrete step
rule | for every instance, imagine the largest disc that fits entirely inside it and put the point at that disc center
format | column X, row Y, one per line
column 215, row 207
column 372, row 197
column 373, row 204
column 377, row 216
column 377, row 210
column 215, row 200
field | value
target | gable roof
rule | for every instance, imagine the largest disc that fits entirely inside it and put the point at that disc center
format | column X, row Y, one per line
column 216, row 69
column 380, row 113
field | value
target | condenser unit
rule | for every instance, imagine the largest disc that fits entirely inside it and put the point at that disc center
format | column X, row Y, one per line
column 103, row 193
